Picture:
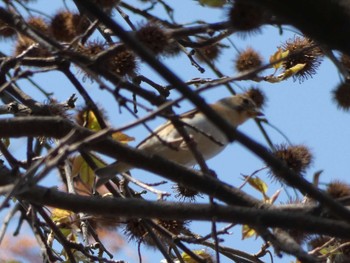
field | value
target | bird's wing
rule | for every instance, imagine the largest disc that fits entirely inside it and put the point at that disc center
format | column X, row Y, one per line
column 164, row 129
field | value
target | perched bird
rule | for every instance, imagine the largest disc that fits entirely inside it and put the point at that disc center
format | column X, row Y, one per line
column 210, row 140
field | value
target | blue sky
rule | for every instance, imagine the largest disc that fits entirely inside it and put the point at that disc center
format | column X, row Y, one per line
column 304, row 111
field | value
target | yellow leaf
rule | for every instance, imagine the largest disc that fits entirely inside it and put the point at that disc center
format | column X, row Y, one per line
column 257, row 183
column 122, row 137
column 247, row 232
column 202, row 253
column 80, row 167
column 87, row 175
column 76, row 166
column 292, row 71
column 61, row 216
column 213, row 3
column 279, row 55
column 90, row 121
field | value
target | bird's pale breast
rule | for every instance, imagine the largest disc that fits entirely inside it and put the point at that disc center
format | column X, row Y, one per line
column 169, row 144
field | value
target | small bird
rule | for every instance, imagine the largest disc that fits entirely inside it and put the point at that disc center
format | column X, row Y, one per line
column 166, row 142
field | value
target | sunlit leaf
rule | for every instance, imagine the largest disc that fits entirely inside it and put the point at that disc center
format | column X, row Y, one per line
column 90, row 121
column 292, row 71
column 257, row 183
column 61, row 216
column 202, row 253
column 80, row 167
column 247, row 232
column 78, row 162
column 286, row 74
column 279, row 55
column 122, row 137
column 87, row 175
column 212, row 3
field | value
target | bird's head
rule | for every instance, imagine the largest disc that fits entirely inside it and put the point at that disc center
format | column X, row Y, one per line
column 241, row 106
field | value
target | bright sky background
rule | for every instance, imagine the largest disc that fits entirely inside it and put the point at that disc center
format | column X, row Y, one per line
column 304, row 111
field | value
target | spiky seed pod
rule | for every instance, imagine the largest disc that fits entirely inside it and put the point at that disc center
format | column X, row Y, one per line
column 92, row 48
column 338, row 189
column 23, row 43
column 6, row 31
column 65, row 26
column 249, row 59
column 39, row 24
column 174, row 226
column 123, row 63
column 52, row 108
column 135, row 230
column 341, row 96
column 302, row 50
column 246, row 17
column 297, row 157
column 257, row 96
column 183, row 192
column 211, row 52
column 345, row 60
column 153, row 37
column 172, row 49
column 62, row 26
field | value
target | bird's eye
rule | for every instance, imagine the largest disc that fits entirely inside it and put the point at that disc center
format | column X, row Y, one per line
column 246, row 102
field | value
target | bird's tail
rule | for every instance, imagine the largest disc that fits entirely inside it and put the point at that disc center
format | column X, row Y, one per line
column 108, row 172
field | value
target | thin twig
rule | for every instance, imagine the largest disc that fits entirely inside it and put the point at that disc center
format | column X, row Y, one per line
column 160, row 194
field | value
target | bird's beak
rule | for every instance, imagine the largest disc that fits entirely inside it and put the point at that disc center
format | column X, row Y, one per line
column 256, row 113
